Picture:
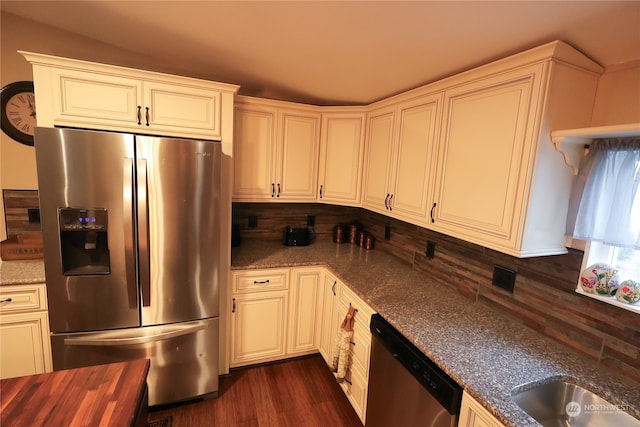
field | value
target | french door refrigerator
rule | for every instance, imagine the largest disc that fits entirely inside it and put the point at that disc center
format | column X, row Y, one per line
column 131, row 251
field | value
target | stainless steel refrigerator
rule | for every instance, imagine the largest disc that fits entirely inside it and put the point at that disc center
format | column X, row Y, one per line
column 131, row 251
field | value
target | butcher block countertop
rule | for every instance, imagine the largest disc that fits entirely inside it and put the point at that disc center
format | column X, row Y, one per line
column 103, row 395
column 484, row 351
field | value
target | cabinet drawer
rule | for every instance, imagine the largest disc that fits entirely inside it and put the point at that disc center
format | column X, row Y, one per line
column 361, row 346
column 348, row 297
column 355, row 386
column 20, row 298
column 260, row 280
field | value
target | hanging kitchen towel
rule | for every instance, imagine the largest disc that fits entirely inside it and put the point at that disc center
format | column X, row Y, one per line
column 342, row 350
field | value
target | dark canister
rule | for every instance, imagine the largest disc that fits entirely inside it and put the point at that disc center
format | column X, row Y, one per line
column 353, row 234
column 340, row 233
column 362, row 235
column 369, row 242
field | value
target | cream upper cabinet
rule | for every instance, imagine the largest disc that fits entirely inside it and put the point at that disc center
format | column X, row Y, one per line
column 400, row 153
column 341, row 153
column 500, row 183
column 276, row 151
column 83, row 94
column 25, row 348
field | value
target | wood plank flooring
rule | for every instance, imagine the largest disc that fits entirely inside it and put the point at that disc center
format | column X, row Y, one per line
column 301, row 392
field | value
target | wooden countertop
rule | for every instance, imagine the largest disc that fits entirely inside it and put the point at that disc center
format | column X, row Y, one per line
column 103, row 395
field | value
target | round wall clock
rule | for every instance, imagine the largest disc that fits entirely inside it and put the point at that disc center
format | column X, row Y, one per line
column 18, row 111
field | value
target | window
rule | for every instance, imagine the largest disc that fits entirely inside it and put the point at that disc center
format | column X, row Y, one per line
column 605, row 211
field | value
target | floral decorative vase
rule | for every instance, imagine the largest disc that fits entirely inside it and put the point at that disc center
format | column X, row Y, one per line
column 629, row 292
column 600, row 279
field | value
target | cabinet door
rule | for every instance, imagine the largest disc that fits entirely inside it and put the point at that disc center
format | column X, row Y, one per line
column 24, row 340
column 96, row 99
column 483, row 160
column 378, row 159
column 297, row 159
column 472, row 414
column 184, row 108
column 254, row 153
column 258, row 327
column 304, row 329
column 329, row 327
column 341, row 152
column 413, row 172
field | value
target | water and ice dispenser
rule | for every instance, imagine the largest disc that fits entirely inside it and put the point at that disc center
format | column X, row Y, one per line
column 83, row 241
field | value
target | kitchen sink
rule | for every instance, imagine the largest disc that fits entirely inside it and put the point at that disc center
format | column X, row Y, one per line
column 561, row 403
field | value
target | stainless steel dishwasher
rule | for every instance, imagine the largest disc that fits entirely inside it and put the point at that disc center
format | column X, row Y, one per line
column 405, row 387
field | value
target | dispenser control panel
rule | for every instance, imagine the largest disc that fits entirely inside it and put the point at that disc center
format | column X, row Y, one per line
column 80, row 219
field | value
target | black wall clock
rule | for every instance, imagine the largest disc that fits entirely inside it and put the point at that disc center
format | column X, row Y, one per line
column 19, row 111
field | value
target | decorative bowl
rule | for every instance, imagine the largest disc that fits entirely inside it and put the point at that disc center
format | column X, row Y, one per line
column 629, row 292
column 600, row 279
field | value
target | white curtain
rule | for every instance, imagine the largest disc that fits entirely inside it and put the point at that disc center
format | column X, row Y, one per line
column 605, row 200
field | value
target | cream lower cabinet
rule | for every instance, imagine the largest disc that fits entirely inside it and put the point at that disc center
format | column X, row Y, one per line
column 274, row 314
column 341, row 154
column 304, row 328
column 83, row 94
column 336, row 300
column 399, row 158
column 472, row 414
column 25, row 348
column 276, row 147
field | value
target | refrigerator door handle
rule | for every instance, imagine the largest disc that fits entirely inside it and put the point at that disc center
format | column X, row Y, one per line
column 143, row 233
column 120, row 338
column 129, row 239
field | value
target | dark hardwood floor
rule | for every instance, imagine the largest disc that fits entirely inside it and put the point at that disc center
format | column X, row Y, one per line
column 299, row 392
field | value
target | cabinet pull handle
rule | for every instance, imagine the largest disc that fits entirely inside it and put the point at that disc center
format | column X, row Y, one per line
column 321, row 191
column 390, row 199
column 386, row 201
column 260, row 282
column 355, row 309
column 139, row 115
column 233, row 305
column 278, row 190
column 352, row 343
column 273, row 189
column 333, row 287
column 348, row 382
column 432, row 209
column 5, row 300
column 146, row 114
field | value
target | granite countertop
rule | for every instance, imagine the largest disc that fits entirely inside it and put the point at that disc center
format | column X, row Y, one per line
column 484, row 351
column 21, row 272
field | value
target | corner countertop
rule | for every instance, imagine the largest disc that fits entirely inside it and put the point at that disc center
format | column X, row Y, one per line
column 484, row 351
column 21, row 272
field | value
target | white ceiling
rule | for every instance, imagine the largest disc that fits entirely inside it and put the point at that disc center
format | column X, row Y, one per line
column 335, row 52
